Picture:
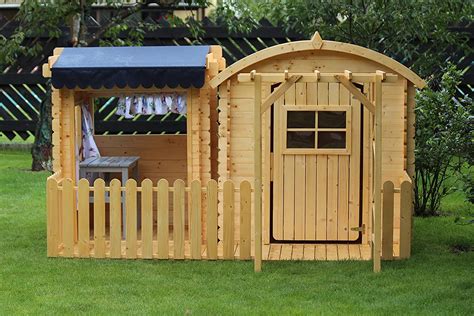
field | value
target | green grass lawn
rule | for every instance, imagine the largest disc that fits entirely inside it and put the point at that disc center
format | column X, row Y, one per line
column 436, row 280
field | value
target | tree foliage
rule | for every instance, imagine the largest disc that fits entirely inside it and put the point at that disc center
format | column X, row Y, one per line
column 444, row 140
column 414, row 32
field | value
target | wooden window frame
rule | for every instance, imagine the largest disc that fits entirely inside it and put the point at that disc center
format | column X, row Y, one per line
column 316, row 151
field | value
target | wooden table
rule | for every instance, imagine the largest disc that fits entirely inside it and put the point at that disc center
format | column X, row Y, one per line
column 104, row 166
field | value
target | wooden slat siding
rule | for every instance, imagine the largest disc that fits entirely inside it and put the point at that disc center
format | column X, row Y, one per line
column 321, row 198
column 300, row 197
column 300, row 175
column 354, row 252
column 354, row 169
column 278, row 190
column 308, row 252
column 99, row 218
column 331, row 252
column 68, row 217
column 332, row 191
column 195, row 219
column 298, row 252
column 163, row 218
column 147, row 219
column 311, row 175
column 267, row 166
column 178, row 219
column 211, row 240
column 115, row 219
column 52, row 217
column 245, row 220
column 131, row 219
column 406, row 205
column 343, row 252
column 288, row 182
column 344, row 186
column 320, row 252
column 387, row 220
column 228, row 219
column 288, row 197
column 322, row 175
column 83, row 218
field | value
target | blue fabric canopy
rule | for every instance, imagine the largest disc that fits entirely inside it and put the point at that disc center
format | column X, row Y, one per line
column 158, row 66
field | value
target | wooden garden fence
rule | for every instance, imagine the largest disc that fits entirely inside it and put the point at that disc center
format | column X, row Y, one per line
column 70, row 233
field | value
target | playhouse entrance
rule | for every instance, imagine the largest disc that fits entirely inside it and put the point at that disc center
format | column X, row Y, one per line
column 316, row 174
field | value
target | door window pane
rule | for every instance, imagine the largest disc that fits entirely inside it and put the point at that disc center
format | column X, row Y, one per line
column 300, row 119
column 300, row 139
column 331, row 119
column 331, row 139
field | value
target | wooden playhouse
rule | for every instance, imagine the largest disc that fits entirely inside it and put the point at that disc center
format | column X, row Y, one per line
column 324, row 130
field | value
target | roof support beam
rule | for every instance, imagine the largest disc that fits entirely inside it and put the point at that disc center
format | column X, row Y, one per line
column 315, row 77
column 356, row 92
column 279, row 92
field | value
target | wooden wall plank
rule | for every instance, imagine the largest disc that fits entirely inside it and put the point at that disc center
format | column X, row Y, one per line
column 300, row 197
column 332, row 191
column 131, row 218
column 162, row 218
column 310, row 198
column 321, row 199
column 288, row 197
column 147, row 219
column 115, row 219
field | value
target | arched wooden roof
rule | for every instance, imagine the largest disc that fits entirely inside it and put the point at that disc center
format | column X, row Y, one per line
column 314, row 44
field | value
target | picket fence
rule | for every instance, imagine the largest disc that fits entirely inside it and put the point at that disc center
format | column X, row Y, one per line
column 71, row 232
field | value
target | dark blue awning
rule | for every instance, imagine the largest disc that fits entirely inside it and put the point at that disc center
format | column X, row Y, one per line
column 148, row 66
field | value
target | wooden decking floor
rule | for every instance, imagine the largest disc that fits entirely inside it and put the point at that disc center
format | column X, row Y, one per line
column 319, row 252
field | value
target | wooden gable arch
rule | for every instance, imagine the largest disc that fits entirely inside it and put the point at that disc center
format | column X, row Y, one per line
column 317, row 43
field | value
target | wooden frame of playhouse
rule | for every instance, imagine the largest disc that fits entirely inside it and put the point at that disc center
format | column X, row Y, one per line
column 325, row 129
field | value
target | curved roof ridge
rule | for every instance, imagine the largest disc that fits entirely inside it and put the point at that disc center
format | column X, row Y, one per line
column 316, row 43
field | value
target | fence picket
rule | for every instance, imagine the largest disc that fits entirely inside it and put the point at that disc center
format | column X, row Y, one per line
column 195, row 219
column 405, row 219
column 131, row 218
column 211, row 227
column 162, row 219
column 387, row 220
column 228, row 219
column 99, row 218
column 178, row 219
column 52, row 217
column 147, row 219
column 83, row 218
column 115, row 219
column 245, row 220
column 68, row 218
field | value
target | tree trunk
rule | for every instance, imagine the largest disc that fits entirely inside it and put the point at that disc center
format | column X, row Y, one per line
column 41, row 151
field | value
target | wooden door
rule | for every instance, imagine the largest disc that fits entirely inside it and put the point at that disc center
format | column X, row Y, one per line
column 317, row 169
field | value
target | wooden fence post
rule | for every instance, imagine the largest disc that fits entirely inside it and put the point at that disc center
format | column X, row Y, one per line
column 178, row 219
column 115, row 219
column 147, row 219
column 68, row 217
column 52, row 217
column 245, row 220
column 405, row 219
column 387, row 220
column 99, row 218
column 211, row 227
column 162, row 218
column 131, row 218
column 229, row 219
column 195, row 219
column 258, row 171
column 83, row 218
